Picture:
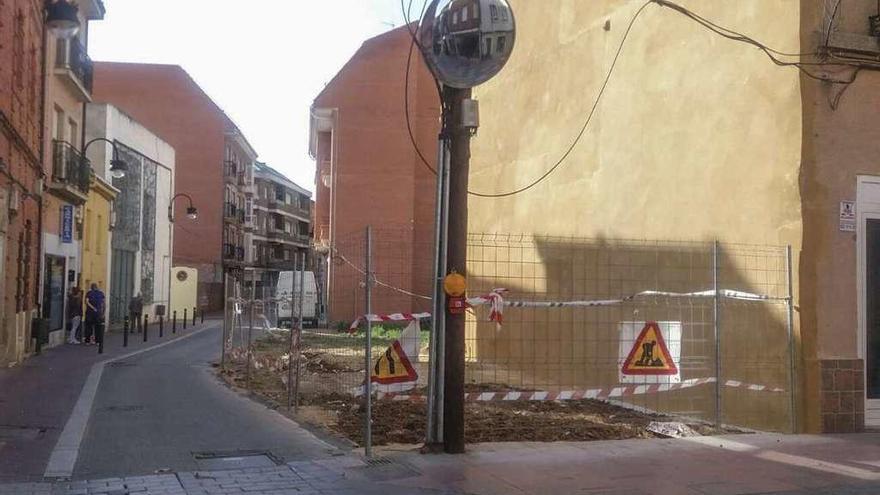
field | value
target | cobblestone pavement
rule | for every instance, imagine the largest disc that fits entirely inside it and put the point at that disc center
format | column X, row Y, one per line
column 344, row 476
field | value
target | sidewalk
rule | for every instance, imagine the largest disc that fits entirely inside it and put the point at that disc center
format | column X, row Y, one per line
column 733, row 465
column 38, row 396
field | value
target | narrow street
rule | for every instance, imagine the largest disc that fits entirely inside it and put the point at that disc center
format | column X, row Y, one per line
column 159, row 410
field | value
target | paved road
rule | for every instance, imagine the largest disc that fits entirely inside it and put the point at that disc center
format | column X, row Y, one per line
column 155, row 411
column 37, row 397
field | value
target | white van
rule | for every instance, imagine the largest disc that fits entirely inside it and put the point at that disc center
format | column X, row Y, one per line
column 310, row 298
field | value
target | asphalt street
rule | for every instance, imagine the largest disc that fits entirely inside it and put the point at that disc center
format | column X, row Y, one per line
column 166, row 410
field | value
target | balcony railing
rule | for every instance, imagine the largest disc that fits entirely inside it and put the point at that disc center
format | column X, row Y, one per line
column 73, row 57
column 70, row 168
column 232, row 213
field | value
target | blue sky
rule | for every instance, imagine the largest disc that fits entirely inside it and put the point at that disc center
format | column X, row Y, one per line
column 263, row 61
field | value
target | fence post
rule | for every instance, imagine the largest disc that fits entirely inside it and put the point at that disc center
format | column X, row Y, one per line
column 717, row 333
column 146, row 325
column 791, row 344
column 299, row 327
column 125, row 331
column 184, row 318
column 250, row 332
column 368, row 361
column 290, row 358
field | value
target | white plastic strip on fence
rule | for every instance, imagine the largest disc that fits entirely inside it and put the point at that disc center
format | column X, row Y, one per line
column 591, row 393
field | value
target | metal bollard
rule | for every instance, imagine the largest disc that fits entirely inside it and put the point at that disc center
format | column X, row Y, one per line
column 125, row 331
column 99, row 330
column 146, row 326
column 174, row 321
column 194, row 316
column 202, row 315
column 161, row 325
column 184, row 318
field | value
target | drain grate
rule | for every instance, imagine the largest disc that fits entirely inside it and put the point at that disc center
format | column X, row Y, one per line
column 385, row 469
column 123, row 408
column 120, row 364
column 19, row 432
column 378, row 461
column 238, row 459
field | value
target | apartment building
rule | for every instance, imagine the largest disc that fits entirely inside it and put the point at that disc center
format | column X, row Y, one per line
column 280, row 219
column 21, row 168
column 367, row 172
column 68, row 175
column 214, row 165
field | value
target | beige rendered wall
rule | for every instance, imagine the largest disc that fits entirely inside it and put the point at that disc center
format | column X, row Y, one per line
column 697, row 138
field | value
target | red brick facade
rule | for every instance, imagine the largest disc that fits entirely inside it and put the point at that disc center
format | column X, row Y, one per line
column 166, row 100
column 377, row 177
column 21, row 110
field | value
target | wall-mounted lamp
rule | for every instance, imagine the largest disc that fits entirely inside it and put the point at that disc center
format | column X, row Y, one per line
column 191, row 212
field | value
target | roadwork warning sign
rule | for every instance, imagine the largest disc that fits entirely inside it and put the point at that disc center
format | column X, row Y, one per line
column 393, row 366
column 646, row 357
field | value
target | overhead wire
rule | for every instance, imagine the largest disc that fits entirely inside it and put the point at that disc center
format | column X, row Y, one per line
column 727, row 33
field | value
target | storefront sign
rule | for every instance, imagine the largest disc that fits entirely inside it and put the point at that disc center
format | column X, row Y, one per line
column 67, row 224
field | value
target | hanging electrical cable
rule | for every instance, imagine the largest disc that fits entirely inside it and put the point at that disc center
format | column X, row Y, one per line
column 773, row 54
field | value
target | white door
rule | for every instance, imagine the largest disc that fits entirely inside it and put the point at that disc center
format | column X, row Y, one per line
column 868, row 234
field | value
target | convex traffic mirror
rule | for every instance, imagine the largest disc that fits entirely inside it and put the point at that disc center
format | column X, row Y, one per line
column 467, row 42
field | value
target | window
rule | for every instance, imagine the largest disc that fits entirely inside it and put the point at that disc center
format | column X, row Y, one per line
column 99, row 235
column 279, row 194
column 488, row 50
column 455, row 17
column 58, row 130
column 464, row 14
column 501, row 44
column 73, row 137
column 88, row 235
column 493, row 12
column 476, row 11
column 504, row 15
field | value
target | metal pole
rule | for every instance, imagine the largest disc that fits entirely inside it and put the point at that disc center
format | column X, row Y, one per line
column 225, row 321
column 174, row 324
column 250, row 333
column 161, row 326
column 185, row 318
column 716, row 332
column 435, row 406
column 125, row 331
column 194, row 310
column 299, row 328
column 291, row 362
column 99, row 329
column 146, row 325
column 368, row 361
column 441, row 332
column 202, row 316
column 791, row 343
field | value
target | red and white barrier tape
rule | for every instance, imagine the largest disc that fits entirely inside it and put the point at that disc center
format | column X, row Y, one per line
column 394, row 317
column 593, row 393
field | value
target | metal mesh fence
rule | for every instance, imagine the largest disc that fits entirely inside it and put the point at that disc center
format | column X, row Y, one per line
column 575, row 325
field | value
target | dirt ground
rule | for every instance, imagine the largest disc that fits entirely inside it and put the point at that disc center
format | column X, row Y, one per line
column 325, row 401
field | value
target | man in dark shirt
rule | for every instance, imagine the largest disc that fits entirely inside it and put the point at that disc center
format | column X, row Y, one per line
column 136, row 310
column 94, row 315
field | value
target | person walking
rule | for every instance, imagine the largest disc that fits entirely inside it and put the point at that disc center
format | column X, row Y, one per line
column 136, row 312
column 74, row 315
column 94, row 332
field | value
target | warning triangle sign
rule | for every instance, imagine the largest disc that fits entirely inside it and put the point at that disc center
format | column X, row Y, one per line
column 393, row 366
column 649, row 355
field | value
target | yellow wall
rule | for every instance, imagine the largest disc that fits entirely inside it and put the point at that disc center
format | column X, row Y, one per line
column 96, row 237
column 696, row 138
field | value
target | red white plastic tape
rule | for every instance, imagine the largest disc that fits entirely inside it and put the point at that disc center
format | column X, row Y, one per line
column 593, row 393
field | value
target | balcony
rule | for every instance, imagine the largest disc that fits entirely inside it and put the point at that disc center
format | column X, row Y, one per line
column 232, row 214
column 233, row 254
column 249, row 224
column 232, row 173
column 281, row 206
column 73, row 64
column 280, row 236
column 71, row 173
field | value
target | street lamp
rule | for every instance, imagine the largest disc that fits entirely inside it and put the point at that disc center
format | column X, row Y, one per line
column 191, row 212
column 62, row 19
column 117, row 166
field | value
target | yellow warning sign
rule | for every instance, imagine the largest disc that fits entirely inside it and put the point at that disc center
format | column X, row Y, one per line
column 649, row 355
column 393, row 366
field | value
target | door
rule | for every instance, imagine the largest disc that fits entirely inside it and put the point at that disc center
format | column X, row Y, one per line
column 872, row 319
column 53, row 292
column 121, row 283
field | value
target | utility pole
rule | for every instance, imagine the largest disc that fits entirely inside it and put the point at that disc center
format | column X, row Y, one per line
column 456, row 260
